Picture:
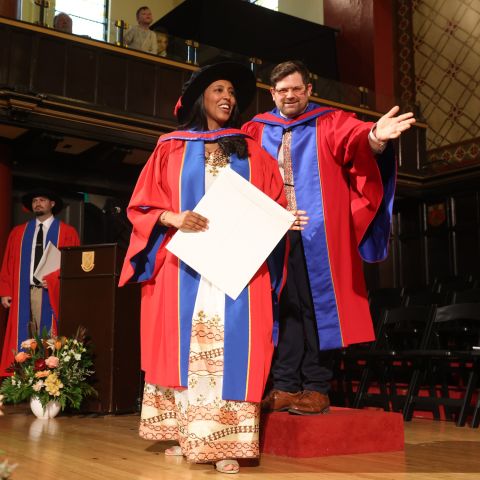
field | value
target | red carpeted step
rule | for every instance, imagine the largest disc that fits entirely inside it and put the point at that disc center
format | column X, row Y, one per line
column 341, row 432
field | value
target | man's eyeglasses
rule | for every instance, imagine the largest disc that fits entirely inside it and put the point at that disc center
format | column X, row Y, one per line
column 299, row 90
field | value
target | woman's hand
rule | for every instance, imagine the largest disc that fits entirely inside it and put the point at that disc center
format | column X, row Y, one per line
column 186, row 221
column 300, row 221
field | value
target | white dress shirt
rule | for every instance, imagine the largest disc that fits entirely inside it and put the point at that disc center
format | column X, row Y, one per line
column 46, row 225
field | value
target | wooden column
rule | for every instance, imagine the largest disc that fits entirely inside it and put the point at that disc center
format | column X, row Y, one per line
column 384, row 55
column 355, row 41
column 5, row 215
column 10, row 8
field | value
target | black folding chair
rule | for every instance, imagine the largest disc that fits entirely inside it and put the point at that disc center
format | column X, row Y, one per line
column 384, row 365
column 425, row 297
column 447, row 362
column 466, row 296
column 348, row 372
column 382, row 299
column 476, row 415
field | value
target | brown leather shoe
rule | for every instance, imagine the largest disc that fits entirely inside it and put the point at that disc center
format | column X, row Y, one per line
column 310, row 403
column 279, row 401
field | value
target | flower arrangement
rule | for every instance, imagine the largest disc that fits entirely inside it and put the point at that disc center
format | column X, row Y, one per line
column 6, row 469
column 51, row 368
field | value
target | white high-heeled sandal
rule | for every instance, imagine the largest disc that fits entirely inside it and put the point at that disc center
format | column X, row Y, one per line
column 175, row 451
column 221, row 464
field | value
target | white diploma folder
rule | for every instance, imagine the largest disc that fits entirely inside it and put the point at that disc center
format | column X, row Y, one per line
column 245, row 225
column 49, row 262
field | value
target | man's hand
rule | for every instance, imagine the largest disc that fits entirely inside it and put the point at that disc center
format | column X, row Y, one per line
column 44, row 283
column 390, row 126
column 6, row 301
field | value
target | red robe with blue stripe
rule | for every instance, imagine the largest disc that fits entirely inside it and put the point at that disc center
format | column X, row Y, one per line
column 15, row 283
column 174, row 179
column 348, row 193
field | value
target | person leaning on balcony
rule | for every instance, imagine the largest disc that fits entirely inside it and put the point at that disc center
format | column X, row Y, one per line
column 24, row 295
column 140, row 37
column 341, row 170
column 162, row 43
column 206, row 357
column 62, row 22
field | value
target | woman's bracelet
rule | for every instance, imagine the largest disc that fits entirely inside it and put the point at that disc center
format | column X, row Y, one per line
column 162, row 217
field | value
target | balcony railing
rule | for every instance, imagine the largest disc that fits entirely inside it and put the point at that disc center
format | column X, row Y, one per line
column 107, row 27
column 77, row 85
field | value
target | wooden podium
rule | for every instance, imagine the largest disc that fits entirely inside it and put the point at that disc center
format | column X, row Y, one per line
column 89, row 296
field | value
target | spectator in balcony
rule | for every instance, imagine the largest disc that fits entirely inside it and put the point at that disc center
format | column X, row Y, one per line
column 26, row 297
column 62, row 22
column 162, row 43
column 140, row 37
column 342, row 171
column 203, row 381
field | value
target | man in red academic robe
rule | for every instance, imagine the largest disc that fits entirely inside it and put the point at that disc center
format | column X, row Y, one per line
column 25, row 296
column 342, row 172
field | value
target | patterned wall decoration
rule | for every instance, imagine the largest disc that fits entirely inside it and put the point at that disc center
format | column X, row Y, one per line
column 446, row 50
column 405, row 82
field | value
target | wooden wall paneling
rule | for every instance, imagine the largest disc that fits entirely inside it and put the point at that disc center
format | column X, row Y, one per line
column 383, row 274
column 48, row 74
column 169, row 82
column 389, row 268
column 407, row 148
column 4, row 53
column 465, row 233
column 81, row 73
column 21, row 59
column 141, row 87
column 112, row 80
column 421, row 146
column 411, row 256
column 264, row 101
column 437, row 240
column 251, row 111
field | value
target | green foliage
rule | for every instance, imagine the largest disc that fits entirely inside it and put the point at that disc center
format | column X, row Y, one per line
column 51, row 368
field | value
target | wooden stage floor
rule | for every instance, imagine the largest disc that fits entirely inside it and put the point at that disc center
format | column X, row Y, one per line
column 104, row 448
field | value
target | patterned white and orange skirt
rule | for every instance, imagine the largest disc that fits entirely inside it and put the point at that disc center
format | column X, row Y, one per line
column 207, row 428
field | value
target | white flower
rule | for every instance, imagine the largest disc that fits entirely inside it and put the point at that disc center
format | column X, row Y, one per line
column 38, row 386
column 14, row 381
column 67, row 358
column 77, row 356
column 27, row 343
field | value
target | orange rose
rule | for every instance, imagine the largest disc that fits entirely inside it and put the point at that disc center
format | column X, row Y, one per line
column 20, row 357
column 33, row 345
column 42, row 374
column 58, row 344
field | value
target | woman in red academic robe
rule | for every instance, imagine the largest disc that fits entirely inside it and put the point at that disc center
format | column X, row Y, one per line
column 206, row 357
